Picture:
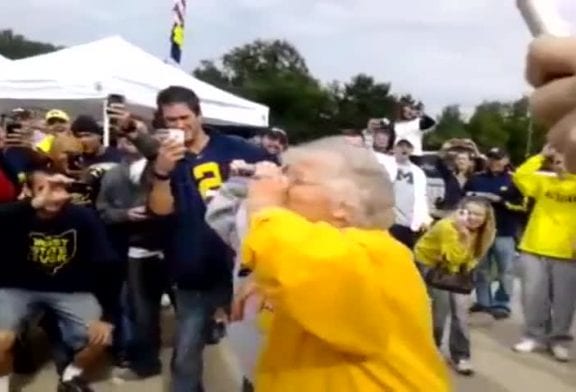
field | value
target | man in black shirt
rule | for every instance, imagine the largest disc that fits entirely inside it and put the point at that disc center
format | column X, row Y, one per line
column 54, row 255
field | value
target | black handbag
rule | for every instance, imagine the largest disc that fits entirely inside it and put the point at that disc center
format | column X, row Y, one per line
column 441, row 278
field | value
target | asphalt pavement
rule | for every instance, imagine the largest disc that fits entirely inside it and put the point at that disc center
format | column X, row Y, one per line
column 498, row 368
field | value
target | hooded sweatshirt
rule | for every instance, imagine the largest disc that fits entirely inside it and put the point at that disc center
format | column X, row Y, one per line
column 551, row 229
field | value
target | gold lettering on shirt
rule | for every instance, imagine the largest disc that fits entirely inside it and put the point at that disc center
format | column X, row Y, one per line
column 52, row 252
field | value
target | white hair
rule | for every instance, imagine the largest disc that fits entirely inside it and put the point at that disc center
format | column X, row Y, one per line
column 369, row 187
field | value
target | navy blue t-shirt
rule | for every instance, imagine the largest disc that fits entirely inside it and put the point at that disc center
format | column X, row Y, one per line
column 199, row 259
column 500, row 184
column 61, row 254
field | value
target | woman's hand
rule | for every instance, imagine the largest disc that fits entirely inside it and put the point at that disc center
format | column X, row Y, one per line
column 551, row 69
column 246, row 291
column 269, row 188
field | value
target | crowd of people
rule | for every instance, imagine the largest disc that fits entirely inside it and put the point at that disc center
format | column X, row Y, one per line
column 351, row 270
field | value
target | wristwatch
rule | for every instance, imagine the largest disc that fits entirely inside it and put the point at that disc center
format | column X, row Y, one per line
column 161, row 177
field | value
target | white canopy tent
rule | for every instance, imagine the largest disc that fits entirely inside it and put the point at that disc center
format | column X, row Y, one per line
column 79, row 79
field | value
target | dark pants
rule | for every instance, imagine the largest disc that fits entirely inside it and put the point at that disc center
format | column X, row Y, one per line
column 194, row 312
column 405, row 235
column 146, row 282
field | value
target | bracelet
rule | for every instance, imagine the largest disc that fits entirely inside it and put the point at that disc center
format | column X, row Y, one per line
column 161, row 177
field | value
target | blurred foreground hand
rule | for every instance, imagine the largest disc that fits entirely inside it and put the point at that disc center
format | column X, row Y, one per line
column 551, row 69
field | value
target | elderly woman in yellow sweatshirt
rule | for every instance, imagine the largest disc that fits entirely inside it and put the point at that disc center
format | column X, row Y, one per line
column 548, row 262
column 456, row 244
column 351, row 313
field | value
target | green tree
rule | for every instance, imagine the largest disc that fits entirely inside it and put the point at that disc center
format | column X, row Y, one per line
column 360, row 99
column 450, row 125
column 493, row 124
column 15, row 46
column 487, row 126
column 275, row 74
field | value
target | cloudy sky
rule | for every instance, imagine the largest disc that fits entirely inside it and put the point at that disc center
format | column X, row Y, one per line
column 442, row 51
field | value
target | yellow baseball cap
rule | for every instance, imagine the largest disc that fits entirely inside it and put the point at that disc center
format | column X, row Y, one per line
column 57, row 114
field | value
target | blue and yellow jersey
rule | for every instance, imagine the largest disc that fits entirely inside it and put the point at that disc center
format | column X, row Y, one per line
column 198, row 256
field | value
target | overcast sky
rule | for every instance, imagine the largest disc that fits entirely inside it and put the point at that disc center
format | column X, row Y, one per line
column 441, row 51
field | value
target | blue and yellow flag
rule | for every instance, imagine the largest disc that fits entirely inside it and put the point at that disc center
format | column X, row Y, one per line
column 177, row 33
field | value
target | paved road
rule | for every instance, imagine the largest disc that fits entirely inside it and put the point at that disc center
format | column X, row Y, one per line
column 498, row 368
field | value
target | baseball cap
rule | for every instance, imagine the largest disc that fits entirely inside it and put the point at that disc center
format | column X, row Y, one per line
column 57, row 114
column 496, row 153
column 404, row 141
column 86, row 124
column 277, row 134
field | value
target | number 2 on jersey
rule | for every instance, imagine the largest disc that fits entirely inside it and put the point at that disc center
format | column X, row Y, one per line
column 208, row 176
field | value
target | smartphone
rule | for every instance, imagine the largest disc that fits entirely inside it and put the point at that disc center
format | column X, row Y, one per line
column 544, row 17
column 247, row 171
column 79, row 187
column 116, row 99
column 462, row 216
column 75, row 162
column 13, row 127
column 177, row 135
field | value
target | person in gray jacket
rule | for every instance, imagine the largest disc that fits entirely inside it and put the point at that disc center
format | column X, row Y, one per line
column 121, row 204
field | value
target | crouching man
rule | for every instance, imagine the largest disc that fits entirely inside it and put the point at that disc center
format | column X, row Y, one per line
column 53, row 251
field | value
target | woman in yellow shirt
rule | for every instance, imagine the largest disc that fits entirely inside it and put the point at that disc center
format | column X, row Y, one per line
column 455, row 244
column 351, row 313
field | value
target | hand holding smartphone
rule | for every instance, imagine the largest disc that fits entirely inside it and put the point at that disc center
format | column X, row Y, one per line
column 177, row 135
column 242, row 169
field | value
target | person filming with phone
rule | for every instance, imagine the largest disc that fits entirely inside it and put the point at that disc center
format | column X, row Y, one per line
column 191, row 164
column 448, row 253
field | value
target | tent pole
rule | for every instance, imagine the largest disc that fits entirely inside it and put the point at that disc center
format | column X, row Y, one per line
column 106, row 123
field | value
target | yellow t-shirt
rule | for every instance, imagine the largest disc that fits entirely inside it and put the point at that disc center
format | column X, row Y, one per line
column 442, row 245
column 551, row 229
column 351, row 312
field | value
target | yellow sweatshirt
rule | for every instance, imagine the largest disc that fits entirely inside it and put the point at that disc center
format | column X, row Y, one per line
column 441, row 244
column 551, row 229
column 351, row 313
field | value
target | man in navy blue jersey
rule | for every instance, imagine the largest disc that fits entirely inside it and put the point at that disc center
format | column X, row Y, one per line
column 186, row 170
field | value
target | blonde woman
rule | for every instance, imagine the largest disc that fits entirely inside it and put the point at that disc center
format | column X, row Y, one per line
column 350, row 311
column 455, row 245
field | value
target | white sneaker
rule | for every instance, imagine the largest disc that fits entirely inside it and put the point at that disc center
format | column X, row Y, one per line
column 464, row 367
column 527, row 346
column 561, row 353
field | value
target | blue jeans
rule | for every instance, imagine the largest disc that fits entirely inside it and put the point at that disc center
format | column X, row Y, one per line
column 194, row 311
column 502, row 253
column 147, row 281
column 73, row 312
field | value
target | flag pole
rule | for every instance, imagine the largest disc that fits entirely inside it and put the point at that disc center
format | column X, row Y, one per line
column 177, row 31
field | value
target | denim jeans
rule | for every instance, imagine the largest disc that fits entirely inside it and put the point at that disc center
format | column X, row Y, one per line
column 146, row 282
column 502, row 253
column 73, row 312
column 194, row 311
